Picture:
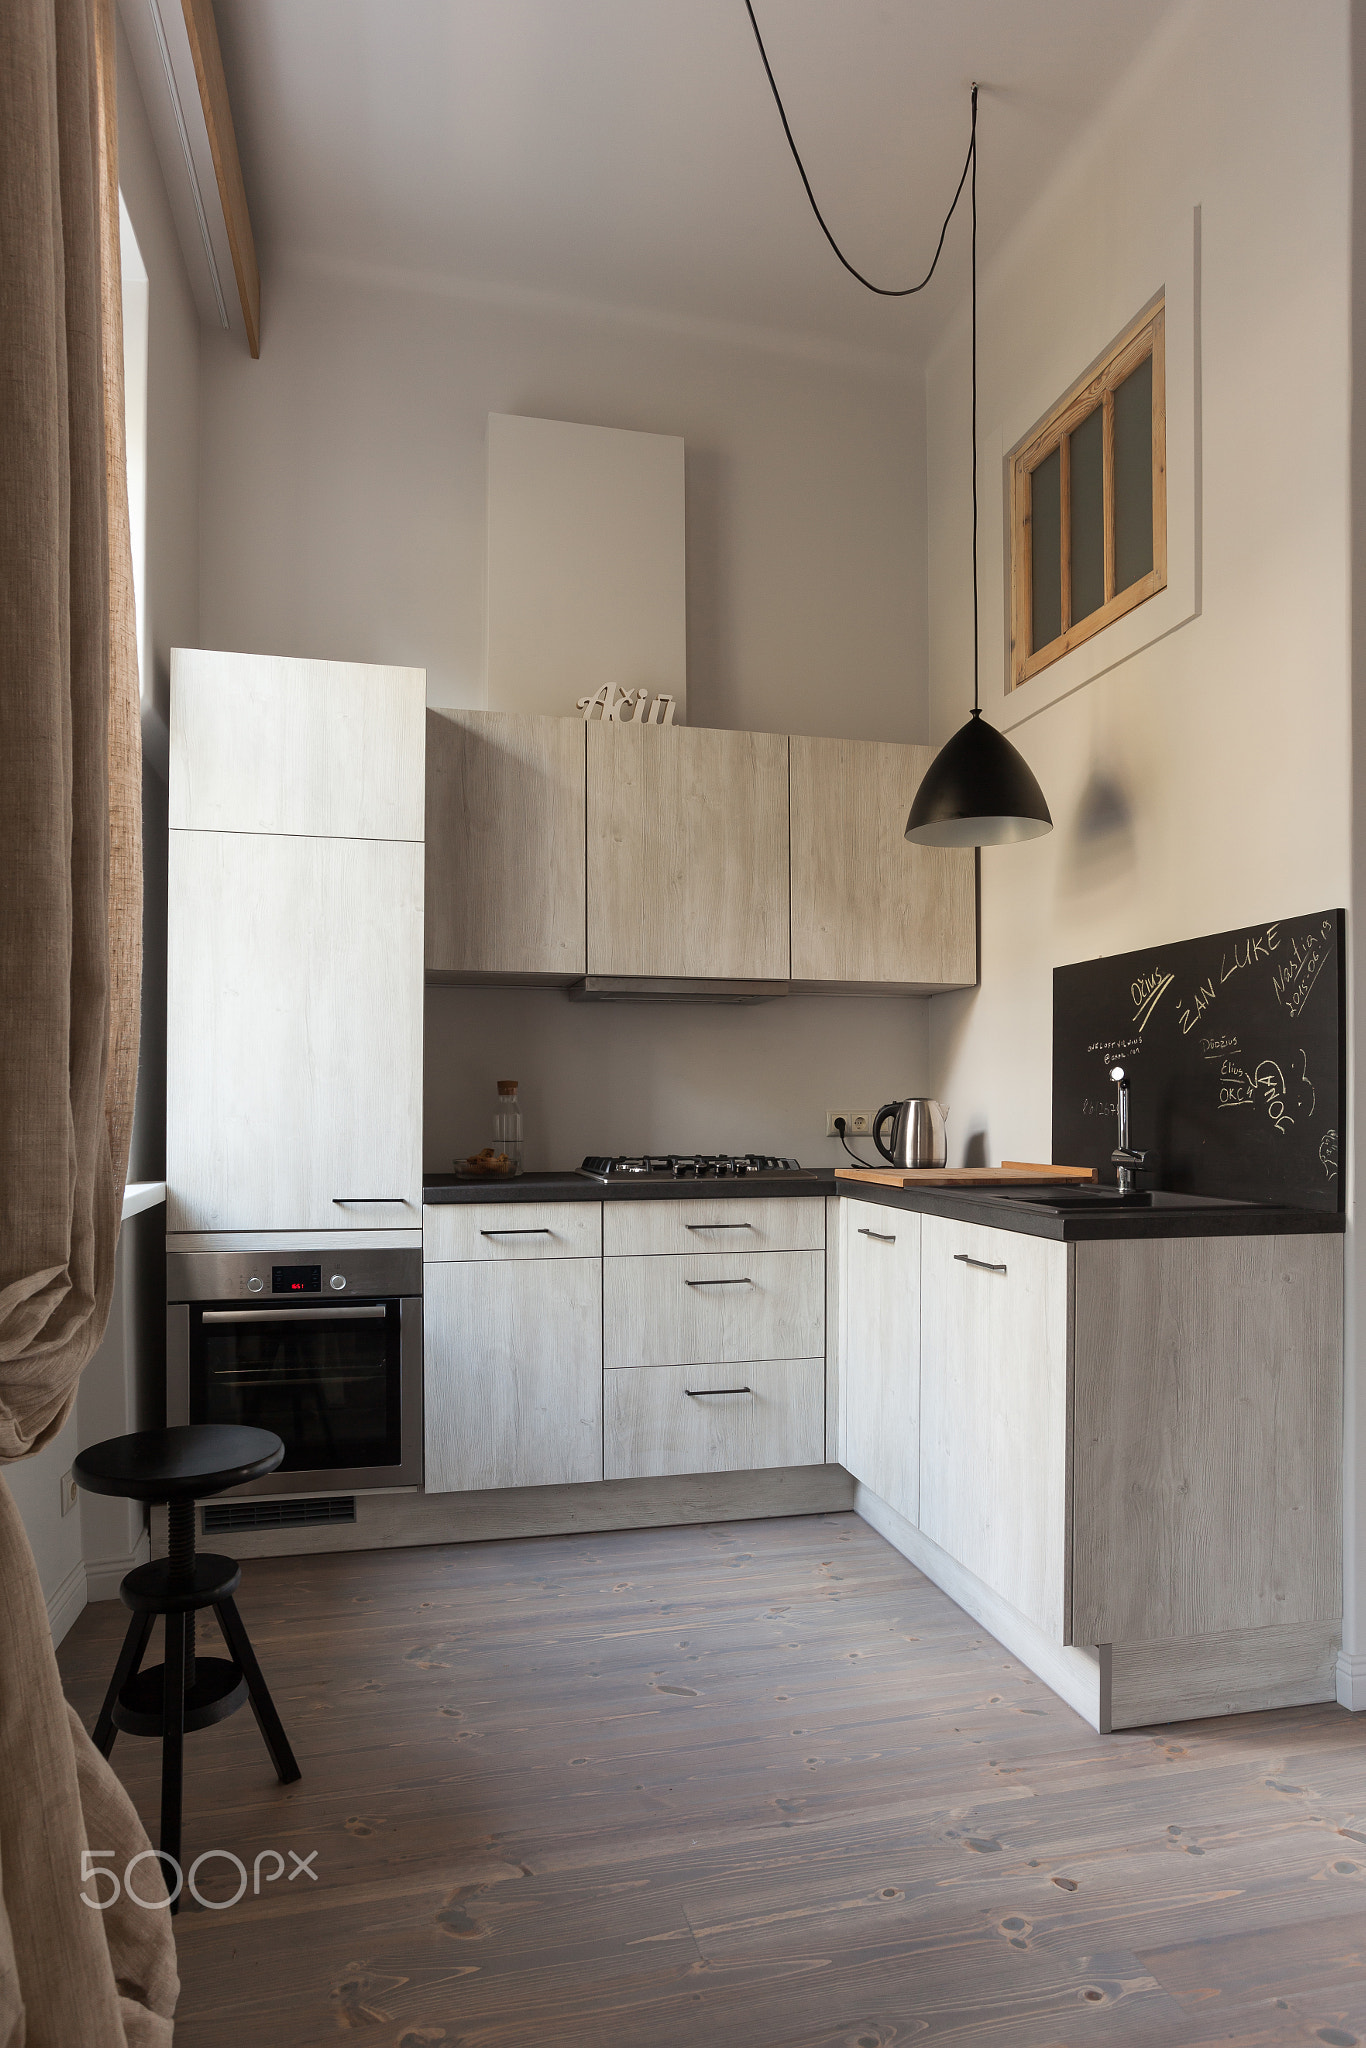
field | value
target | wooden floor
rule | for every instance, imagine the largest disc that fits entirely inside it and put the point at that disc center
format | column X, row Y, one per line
column 755, row 1783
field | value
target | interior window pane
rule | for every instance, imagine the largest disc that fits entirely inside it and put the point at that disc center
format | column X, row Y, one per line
column 1088, row 515
column 1045, row 565
column 1134, row 476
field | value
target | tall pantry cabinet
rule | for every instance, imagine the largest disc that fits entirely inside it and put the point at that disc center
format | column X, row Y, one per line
column 294, row 973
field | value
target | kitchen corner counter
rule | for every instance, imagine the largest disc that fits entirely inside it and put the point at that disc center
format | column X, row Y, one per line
column 1048, row 1212
column 580, row 1187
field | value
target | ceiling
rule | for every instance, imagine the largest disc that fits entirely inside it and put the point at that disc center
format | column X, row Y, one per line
column 628, row 152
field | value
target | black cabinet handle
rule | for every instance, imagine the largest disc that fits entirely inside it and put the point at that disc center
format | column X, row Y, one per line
column 523, row 1230
column 880, row 1235
column 982, row 1265
column 375, row 1201
column 706, row 1393
column 718, row 1226
column 744, row 1281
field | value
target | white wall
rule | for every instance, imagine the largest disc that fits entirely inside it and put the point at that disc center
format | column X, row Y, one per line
column 343, row 495
column 663, row 1077
column 1203, row 783
column 342, row 515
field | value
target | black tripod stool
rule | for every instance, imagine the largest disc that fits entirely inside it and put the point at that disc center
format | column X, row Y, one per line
column 182, row 1466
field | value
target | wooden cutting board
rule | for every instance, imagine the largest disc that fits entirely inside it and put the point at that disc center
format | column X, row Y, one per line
column 1010, row 1173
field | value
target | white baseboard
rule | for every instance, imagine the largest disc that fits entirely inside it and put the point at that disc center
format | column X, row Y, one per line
column 104, row 1575
column 66, row 1602
column 1351, row 1676
column 1080, row 1677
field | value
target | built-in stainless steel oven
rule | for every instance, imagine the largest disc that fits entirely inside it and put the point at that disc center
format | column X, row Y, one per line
column 324, row 1347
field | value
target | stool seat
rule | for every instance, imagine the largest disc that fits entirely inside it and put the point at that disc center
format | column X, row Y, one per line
column 186, row 1463
column 159, row 1588
column 218, row 1689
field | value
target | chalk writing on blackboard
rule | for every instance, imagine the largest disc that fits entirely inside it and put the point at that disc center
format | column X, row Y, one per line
column 1233, row 1044
column 1245, row 951
column 1294, row 977
column 1147, row 992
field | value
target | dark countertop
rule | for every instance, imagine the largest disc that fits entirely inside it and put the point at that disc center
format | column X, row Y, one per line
column 1048, row 1216
column 578, row 1187
column 1051, row 1216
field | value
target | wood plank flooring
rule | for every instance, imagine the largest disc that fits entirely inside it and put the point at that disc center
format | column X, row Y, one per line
column 750, row 1783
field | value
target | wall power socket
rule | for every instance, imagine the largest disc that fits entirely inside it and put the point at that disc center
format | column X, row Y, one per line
column 70, row 1491
column 857, row 1123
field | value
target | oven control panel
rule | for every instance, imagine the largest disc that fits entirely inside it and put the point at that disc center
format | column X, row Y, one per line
column 368, row 1272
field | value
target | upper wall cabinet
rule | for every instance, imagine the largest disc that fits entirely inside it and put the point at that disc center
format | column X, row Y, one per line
column 868, row 910
column 265, row 743
column 687, row 854
column 505, row 840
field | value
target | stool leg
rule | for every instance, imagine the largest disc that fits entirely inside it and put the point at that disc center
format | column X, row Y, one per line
column 172, row 1738
column 262, row 1705
column 128, row 1666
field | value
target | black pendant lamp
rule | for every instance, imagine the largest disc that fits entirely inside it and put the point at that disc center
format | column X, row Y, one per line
column 978, row 790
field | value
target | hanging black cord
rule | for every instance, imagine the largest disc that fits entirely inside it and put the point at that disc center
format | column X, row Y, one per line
column 883, row 291
column 972, row 152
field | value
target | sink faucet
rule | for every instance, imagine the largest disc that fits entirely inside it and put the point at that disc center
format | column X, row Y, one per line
column 1124, row 1157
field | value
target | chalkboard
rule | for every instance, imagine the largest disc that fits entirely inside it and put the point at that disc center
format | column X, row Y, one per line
column 1234, row 1051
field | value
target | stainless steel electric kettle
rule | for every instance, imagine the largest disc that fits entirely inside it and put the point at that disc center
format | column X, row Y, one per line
column 918, row 1137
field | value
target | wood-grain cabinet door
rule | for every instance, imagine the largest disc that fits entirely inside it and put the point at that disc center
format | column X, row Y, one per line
column 880, row 1351
column 869, row 911
column 294, row 1033
column 505, row 847
column 994, row 1418
column 687, row 853
column 1208, row 1404
column 513, row 1373
column 267, row 743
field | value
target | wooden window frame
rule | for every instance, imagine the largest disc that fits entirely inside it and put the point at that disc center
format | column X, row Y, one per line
column 1146, row 336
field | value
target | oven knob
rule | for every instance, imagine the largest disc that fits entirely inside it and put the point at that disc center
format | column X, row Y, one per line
column 338, row 1281
column 255, row 1284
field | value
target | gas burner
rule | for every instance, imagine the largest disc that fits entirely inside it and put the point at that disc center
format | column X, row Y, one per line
column 694, row 1166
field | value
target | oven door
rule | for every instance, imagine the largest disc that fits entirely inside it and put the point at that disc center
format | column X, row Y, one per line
column 338, row 1382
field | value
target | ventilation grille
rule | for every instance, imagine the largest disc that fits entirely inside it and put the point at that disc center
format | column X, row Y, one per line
column 222, row 1516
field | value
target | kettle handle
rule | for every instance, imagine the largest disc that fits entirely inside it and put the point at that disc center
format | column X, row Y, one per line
column 887, row 1109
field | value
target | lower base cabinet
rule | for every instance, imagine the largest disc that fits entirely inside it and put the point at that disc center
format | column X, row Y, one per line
column 513, row 1373
column 880, row 1351
column 663, row 1419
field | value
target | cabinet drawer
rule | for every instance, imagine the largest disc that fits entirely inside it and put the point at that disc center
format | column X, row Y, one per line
column 696, row 1223
column 717, row 1307
column 713, row 1418
column 511, row 1230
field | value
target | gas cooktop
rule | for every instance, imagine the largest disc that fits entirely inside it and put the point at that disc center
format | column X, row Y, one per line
column 695, row 1166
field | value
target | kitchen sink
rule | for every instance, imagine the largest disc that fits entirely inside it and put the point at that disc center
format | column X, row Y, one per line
column 1080, row 1199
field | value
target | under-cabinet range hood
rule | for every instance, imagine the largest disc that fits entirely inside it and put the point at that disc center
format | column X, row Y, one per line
column 642, row 988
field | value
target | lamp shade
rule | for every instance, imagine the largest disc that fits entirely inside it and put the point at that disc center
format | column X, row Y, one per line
column 977, row 791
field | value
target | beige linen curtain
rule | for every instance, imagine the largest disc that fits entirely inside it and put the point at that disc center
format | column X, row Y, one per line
column 70, row 967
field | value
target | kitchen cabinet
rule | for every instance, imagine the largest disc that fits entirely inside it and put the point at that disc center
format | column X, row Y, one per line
column 506, row 881
column 868, row 910
column 503, row 1232
column 994, row 1414
column 1208, row 1404
column 294, row 1041
column 713, row 1307
column 661, row 1419
column 687, row 854
column 267, row 743
column 512, row 1377
column 880, row 1351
